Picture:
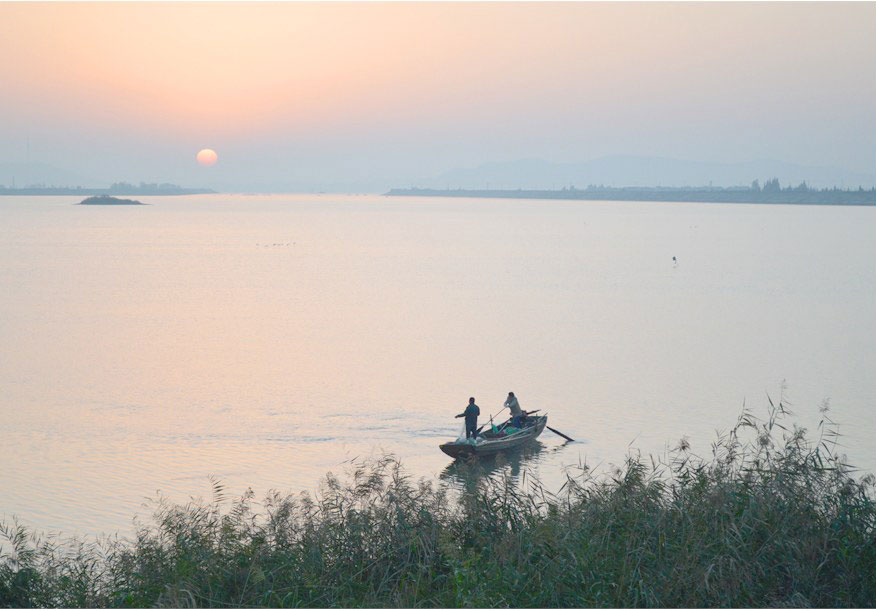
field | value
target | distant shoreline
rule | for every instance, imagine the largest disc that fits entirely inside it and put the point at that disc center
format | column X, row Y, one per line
column 84, row 191
column 832, row 197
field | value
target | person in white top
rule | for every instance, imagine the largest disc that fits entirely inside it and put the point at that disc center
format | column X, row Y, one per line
column 516, row 413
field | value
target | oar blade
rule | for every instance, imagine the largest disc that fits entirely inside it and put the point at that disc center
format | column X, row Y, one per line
column 559, row 433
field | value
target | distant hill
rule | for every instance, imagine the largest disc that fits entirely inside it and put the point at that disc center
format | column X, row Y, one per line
column 631, row 171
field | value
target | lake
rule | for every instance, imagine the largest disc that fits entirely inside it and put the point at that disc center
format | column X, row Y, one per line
column 266, row 339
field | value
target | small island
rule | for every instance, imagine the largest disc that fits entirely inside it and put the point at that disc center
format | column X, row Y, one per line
column 106, row 200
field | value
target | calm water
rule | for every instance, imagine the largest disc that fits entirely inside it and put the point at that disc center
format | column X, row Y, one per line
column 265, row 340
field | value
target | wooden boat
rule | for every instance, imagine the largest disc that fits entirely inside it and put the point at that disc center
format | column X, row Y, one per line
column 490, row 441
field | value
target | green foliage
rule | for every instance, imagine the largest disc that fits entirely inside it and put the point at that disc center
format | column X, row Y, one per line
column 770, row 519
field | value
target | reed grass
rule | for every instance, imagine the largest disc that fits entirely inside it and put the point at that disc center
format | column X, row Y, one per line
column 770, row 519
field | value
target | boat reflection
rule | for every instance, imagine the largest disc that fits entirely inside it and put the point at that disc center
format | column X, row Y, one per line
column 465, row 474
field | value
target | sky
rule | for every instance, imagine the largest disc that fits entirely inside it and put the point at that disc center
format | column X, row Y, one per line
column 364, row 96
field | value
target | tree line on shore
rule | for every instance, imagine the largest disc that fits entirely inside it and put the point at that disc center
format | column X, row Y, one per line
column 117, row 188
column 771, row 192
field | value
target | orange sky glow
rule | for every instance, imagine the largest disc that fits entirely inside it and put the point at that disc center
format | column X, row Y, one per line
column 245, row 65
column 534, row 77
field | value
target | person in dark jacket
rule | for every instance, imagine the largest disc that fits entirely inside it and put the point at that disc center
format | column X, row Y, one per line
column 471, row 414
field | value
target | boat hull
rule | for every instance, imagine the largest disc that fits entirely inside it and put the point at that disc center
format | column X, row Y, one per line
column 491, row 446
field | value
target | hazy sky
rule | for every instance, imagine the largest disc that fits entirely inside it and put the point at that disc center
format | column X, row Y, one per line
column 322, row 96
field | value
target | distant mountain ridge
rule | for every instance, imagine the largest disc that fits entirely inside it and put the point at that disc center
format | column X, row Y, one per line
column 635, row 171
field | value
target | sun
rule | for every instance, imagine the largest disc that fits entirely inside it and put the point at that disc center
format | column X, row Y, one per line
column 207, row 157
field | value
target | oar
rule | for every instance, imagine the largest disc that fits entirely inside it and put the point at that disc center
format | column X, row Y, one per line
column 559, row 433
column 491, row 418
column 507, row 422
column 478, row 432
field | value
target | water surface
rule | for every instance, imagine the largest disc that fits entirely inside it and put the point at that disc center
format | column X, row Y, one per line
column 265, row 340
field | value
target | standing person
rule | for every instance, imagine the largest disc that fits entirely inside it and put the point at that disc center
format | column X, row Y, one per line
column 516, row 413
column 471, row 414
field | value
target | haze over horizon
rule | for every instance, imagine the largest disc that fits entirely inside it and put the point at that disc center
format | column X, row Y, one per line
column 363, row 97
